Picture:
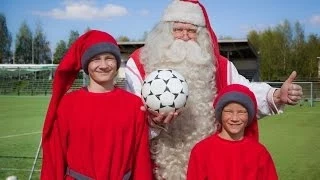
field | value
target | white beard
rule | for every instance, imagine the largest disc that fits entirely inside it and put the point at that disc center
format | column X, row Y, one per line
column 189, row 51
column 171, row 150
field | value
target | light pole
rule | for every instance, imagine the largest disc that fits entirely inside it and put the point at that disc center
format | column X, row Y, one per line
column 318, row 66
column 32, row 54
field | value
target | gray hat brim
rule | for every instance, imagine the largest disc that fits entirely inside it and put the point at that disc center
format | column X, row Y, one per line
column 99, row 48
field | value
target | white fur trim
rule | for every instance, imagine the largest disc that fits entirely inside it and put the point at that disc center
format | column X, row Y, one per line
column 183, row 11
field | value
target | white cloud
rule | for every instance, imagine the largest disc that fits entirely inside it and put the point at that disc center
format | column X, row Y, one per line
column 315, row 20
column 85, row 10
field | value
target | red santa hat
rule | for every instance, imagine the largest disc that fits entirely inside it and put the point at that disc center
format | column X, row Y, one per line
column 184, row 11
column 91, row 43
column 193, row 12
column 242, row 95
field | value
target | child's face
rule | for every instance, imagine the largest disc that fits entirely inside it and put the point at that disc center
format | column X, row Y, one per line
column 234, row 120
column 103, row 68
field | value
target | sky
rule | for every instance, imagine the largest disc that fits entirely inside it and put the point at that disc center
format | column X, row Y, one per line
column 132, row 18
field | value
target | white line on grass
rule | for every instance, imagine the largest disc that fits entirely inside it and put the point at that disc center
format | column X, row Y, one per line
column 17, row 135
column 14, row 169
column 302, row 112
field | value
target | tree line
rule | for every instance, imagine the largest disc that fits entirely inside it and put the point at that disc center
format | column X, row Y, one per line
column 285, row 48
column 281, row 49
column 33, row 48
column 30, row 48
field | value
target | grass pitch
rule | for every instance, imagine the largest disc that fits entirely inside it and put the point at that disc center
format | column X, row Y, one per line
column 291, row 138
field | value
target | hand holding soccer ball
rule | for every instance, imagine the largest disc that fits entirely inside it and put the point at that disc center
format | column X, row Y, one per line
column 165, row 91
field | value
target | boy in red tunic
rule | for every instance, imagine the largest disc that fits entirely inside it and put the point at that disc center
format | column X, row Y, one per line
column 97, row 132
column 234, row 152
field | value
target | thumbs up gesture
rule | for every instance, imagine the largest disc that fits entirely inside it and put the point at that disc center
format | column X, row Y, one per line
column 290, row 93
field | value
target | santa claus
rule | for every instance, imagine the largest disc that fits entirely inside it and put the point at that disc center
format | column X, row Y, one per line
column 183, row 40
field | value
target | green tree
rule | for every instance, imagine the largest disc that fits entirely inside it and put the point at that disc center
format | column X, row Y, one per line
column 60, row 51
column 72, row 37
column 253, row 38
column 284, row 40
column 298, row 60
column 268, row 51
column 274, row 52
column 313, row 51
column 283, row 49
column 123, row 39
column 5, row 41
column 23, row 49
column 41, row 48
column 225, row 37
column 87, row 29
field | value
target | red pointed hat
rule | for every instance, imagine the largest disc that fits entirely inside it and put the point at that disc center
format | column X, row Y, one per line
column 193, row 12
column 82, row 50
column 242, row 95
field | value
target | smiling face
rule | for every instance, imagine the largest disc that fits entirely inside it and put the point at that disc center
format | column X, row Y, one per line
column 185, row 31
column 102, row 70
column 234, row 120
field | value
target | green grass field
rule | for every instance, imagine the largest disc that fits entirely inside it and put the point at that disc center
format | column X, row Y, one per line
column 21, row 121
column 292, row 138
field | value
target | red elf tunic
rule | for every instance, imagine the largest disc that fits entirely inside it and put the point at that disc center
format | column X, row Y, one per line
column 218, row 159
column 101, row 135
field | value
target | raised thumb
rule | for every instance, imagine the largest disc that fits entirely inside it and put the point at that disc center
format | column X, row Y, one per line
column 291, row 78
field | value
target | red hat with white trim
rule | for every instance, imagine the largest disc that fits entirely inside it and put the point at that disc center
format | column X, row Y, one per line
column 193, row 12
column 184, row 11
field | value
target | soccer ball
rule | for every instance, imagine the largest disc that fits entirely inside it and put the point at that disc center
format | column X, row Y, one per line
column 12, row 178
column 165, row 90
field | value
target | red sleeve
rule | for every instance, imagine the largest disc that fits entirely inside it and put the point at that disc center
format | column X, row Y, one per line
column 55, row 148
column 136, row 58
column 142, row 162
column 267, row 170
column 196, row 167
column 221, row 73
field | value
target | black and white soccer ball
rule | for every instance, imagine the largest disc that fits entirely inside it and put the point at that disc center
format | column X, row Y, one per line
column 165, row 90
column 12, row 178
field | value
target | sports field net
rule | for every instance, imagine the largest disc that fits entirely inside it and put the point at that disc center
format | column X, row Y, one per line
column 29, row 79
column 311, row 91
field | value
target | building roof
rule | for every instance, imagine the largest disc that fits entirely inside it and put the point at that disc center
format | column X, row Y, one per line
column 238, row 49
column 232, row 49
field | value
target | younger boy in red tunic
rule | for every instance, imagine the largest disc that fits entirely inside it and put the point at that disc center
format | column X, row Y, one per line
column 97, row 132
column 234, row 152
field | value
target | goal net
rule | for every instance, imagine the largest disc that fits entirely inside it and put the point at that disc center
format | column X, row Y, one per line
column 311, row 91
column 36, row 79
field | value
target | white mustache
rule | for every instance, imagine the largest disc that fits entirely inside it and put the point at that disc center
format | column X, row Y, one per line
column 189, row 51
